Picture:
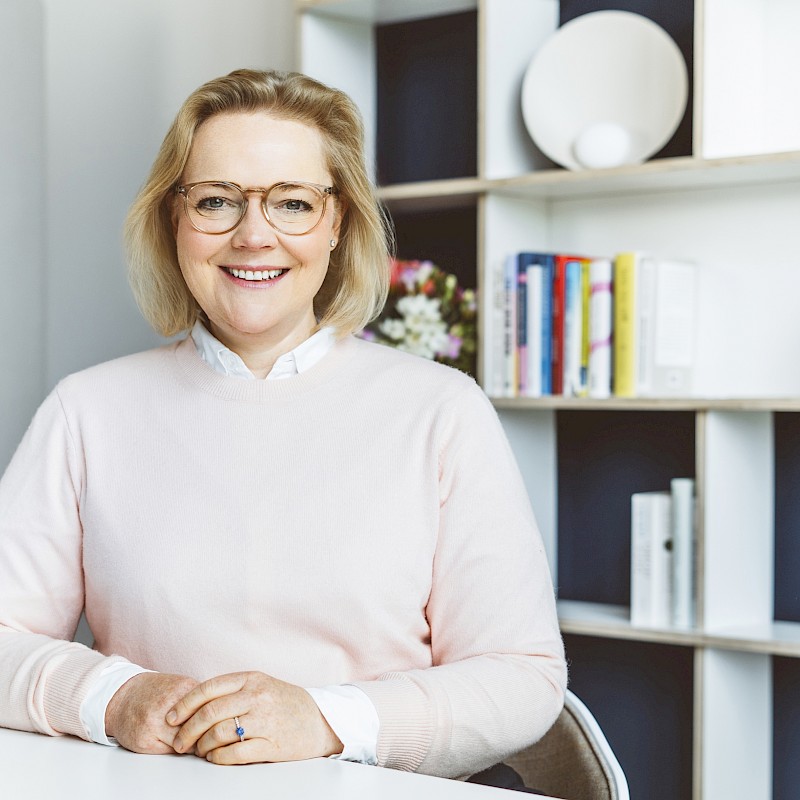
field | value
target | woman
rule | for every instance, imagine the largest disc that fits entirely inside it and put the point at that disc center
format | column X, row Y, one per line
column 339, row 560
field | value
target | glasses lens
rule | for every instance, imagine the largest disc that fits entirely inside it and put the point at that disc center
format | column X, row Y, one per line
column 294, row 208
column 214, row 207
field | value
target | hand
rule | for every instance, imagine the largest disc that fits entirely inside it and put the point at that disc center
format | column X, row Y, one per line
column 281, row 721
column 135, row 716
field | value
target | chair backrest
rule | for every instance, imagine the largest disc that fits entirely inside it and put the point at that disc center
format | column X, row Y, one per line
column 573, row 760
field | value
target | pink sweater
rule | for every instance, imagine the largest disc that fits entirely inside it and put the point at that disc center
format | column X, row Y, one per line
column 363, row 522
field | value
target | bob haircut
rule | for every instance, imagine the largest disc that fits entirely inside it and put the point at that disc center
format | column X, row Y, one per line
column 357, row 281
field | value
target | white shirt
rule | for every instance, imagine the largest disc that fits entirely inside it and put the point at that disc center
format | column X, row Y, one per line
column 349, row 712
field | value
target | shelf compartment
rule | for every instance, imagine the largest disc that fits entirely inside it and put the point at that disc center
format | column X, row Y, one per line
column 641, row 694
column 427, row 79
column 786, row 723
column 787, row 515
column 604, row 458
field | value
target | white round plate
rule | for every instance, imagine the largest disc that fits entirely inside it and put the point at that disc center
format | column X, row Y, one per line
column 606, row 89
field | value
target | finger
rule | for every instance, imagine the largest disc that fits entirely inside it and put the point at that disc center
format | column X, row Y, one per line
column 209, row 716
column 202, row 694
column 221, row 735
column 250, row 751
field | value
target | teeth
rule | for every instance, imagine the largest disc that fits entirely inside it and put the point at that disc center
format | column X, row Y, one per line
column 257, row 275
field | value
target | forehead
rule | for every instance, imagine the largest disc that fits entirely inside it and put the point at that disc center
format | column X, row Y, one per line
column 256, row 150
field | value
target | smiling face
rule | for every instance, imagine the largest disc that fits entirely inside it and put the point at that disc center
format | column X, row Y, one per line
column 249, row 315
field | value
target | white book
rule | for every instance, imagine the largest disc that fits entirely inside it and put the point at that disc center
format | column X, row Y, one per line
column 494, row 353
column 510, row 382
column 651, row 559
column 534, row 288
column 600, row 327
column 666, row 299
column 683, row 552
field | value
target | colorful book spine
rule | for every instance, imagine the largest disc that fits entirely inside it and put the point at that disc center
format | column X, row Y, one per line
column 573, row 329
column 600, row 327
column 624, row 346
column 557, row 333
column 585, row 315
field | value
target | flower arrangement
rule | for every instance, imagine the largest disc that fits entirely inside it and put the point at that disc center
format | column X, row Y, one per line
column 427, row 313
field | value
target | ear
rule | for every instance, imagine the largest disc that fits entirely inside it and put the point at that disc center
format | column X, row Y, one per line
column 177, row 200
column 339, row 210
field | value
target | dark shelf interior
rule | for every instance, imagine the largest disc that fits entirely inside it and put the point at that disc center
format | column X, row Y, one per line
column 787, row 515
column 603, row 458
column 427, row 105
column 641, row 694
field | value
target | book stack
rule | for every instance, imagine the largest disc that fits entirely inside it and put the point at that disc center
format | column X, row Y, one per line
column 663, row 556
column 578, row 326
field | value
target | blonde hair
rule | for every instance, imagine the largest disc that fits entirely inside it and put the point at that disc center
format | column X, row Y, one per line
column 357, row 280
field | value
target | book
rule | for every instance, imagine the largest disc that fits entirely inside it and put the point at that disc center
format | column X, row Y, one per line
column 651, row 559
column 600, row 327
column 670, row 366
column 683, row 552
column 558, row 314
column 585, row 314
column 510, row 328
column 534, row 285
column 573, row 373
column 624, row 343
column 524, row 261
column 541, row 321
column 494, row 352
column 654, row 326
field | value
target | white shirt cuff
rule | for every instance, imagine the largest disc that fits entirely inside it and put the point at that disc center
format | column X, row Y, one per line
column 353, row 718
column 94, row 705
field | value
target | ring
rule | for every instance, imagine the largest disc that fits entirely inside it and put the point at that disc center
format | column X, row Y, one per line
column 239, row 729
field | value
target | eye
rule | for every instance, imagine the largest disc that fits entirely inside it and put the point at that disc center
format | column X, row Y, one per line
column 297, row 206
column 211, row 200
column 291, row 201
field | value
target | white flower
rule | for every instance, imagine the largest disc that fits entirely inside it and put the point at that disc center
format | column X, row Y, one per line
column 425, row 331
column 394, row 329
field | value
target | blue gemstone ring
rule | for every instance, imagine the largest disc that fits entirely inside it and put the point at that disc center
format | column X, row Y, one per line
column 239, row 729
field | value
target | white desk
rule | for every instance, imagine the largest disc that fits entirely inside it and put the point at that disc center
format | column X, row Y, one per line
column 35, row 767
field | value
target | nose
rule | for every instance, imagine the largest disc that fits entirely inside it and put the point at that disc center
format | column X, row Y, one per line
column 254, row 232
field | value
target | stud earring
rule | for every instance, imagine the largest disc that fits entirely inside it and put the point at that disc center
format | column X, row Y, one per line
column 332, row 243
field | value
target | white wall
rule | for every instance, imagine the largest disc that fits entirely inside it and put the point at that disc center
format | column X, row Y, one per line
column 22, row 229
column 92, row 86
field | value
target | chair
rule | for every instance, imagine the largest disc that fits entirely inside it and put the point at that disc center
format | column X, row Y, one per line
column 573, row 760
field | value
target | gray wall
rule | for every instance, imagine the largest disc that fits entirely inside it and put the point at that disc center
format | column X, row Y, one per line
column 88, row 91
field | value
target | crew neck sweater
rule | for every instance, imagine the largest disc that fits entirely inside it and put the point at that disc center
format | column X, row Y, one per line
column 364, row 523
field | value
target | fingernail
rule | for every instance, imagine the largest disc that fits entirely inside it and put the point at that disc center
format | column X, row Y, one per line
column 177, row 745
column 172, row 717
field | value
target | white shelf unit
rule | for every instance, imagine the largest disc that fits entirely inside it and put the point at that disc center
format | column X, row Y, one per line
column 731, row 205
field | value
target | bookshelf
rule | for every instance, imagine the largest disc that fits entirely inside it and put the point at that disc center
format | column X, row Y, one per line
column 712, row 711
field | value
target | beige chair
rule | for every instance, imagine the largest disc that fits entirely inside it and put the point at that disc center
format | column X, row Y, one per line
column 573, row 760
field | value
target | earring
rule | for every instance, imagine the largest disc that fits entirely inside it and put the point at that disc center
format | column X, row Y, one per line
column 332, row 243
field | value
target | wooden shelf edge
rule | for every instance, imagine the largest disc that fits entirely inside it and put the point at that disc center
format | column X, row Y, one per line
column 613, row 622
column 668, row 173
column 649, row 404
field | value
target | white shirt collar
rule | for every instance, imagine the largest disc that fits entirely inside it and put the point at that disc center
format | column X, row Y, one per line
column 226, row 362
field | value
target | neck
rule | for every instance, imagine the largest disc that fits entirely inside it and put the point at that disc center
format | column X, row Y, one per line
column 260, row 352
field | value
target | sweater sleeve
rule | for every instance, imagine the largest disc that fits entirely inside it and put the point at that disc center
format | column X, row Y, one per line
column 498, row 676
column 43, row 675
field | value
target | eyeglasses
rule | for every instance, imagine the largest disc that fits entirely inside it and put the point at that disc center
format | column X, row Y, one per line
column 290, row 207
